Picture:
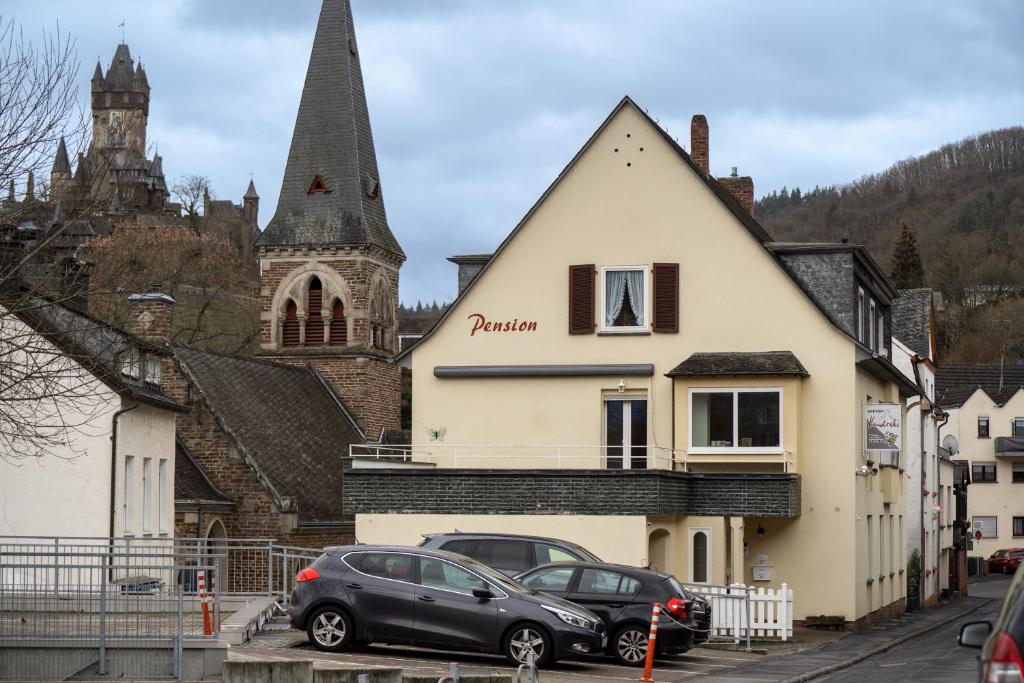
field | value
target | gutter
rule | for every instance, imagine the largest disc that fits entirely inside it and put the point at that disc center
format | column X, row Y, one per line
column 113, row 481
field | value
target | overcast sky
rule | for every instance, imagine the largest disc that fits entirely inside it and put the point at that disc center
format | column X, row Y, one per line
column 477, row 104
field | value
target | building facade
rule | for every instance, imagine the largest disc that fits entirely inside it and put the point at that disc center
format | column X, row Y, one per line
column 328, row 259
column 640, row 369
column 985, row 403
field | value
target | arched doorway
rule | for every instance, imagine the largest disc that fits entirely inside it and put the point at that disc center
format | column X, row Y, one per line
column 217, row 551
column 657, row 549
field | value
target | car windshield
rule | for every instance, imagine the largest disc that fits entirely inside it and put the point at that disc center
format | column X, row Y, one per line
column 504, row 582
column 999, row 553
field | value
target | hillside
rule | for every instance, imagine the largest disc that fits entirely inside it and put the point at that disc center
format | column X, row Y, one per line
column 965, row 202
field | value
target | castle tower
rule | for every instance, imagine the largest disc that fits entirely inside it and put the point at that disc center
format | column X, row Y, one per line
column 250, row 217
column 60, row 175
column 120, row 107
column 329, row 262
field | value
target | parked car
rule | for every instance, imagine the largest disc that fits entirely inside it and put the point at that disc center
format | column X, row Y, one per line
column 624, row 598
column 1000, row 659
column 508, row 553
column 433, row 598
column 1005, row 561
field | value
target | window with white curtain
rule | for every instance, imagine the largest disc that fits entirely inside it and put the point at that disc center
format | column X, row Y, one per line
column 129, row 494
column 624, row 296
column 147, row 495
column 163, row 497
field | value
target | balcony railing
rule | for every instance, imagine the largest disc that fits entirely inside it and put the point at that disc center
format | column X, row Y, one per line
column 1009, row 446
column 509, row 456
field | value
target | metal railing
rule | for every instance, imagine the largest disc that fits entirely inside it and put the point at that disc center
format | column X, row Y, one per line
column 509, row 456
column 125, row 606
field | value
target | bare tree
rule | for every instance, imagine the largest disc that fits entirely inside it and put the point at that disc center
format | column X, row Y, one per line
column 191, row 191
column 49, row 395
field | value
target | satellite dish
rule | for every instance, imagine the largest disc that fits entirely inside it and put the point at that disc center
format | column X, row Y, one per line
column 950, row 443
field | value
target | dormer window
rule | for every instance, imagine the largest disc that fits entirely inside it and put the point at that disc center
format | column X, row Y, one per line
column 152, row 370
column 318, row 186
column 130, row 363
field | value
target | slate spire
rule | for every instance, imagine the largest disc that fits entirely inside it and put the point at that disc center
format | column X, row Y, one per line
column 61, row 163
column 250, row 192
column 331, row 191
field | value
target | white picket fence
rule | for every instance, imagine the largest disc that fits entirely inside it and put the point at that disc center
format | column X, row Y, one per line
column 735, row 609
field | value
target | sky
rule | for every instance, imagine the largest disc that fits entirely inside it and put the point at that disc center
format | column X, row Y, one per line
column 476, row 105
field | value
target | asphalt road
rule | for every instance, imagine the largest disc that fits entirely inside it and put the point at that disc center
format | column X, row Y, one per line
column 934, row 657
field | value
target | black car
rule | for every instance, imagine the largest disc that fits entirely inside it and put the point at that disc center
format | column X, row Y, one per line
column 508, row 553
column 1000, row 658
column 431, row 598
column 624, row 598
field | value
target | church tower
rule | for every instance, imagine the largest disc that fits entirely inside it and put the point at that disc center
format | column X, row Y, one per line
column 329, row 262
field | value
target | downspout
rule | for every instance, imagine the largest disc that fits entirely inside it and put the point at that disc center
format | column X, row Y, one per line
column 920, row 502
column 938, row 440
column 113, row 482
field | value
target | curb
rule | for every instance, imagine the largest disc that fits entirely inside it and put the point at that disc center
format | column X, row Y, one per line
column 846, row 663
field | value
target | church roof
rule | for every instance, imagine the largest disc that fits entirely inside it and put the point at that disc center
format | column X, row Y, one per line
column 61, row 163
column 285, row 420
column 331, row 190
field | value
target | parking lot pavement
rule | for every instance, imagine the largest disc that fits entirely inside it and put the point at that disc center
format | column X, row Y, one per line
column 701, row 664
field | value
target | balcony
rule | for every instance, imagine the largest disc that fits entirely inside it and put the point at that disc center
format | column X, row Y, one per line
column 1009, row 446
column 535, row 480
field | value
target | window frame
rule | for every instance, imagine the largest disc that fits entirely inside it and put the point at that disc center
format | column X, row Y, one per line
column 995, row 525
column 988, row 427
column 419, row 576
column 148, row 491
column 1013, row 427
column 860, row 313
column 646, row 327
column 128, row 504
column 1015, row 469
column 626, row 457
column 691, row 533
column 871, row 325
column 736, row 391
column 984, row 464
column 1014, row 523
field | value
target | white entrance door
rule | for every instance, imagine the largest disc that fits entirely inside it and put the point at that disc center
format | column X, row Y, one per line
column 625, row 433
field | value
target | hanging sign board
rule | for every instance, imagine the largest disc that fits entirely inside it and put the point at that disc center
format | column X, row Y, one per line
column 883, row 424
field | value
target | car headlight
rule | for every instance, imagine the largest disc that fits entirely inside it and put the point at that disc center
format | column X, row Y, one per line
column 570, row 618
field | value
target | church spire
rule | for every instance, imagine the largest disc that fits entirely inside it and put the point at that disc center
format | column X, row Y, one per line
column 331, row 190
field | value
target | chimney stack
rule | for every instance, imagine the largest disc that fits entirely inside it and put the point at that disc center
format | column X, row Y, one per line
column 742, row 188
column 699, row 142
column 149, row 317
column 469, row 265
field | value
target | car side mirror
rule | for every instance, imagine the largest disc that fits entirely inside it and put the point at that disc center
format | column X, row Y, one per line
column 974, row 633
column 482, row 593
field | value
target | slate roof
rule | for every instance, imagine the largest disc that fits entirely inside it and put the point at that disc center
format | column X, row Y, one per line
column 740, row 363
column 332, row 140
column 121, row 71
column 285, row 421
column 93, row 344
column 957, row 382
column 61, row 163
column 912, row 319
column 190, row 484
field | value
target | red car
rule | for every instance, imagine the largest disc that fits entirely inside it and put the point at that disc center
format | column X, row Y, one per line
column 1005, row 561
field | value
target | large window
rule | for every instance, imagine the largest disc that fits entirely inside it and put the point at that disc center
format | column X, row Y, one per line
column 736, row 419
column 1018, row 426
column 983, row 428
column 988, row 526
column 983, row 472
column 625, row 433
column 624, row 296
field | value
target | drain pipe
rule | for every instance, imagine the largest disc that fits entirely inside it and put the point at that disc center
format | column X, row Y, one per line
column 113, row 484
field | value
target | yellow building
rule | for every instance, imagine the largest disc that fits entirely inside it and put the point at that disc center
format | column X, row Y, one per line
column 638, row 368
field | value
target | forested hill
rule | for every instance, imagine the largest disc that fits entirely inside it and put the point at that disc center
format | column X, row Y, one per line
column 964, row 201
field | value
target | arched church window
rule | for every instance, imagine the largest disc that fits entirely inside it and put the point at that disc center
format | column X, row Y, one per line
column 315, row 318
column 339, row 330
column 290, row 329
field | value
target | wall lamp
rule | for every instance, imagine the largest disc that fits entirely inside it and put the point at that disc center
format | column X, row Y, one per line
column 760, row 531
column 865, row 470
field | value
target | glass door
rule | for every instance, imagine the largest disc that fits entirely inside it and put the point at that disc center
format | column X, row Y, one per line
column 625, row 433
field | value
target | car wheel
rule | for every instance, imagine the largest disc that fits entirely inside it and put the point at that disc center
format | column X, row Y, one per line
column 330, row 629
column 629, row 646
column 523, row 639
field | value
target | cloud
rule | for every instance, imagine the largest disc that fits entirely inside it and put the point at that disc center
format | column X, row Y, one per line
column 476, row 105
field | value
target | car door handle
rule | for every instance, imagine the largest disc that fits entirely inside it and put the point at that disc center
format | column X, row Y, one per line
column 355, row 586
column 427, row 598
column 615, row 605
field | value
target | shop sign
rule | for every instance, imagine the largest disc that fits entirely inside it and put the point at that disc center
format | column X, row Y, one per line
column 883, row 424
column 482, row 324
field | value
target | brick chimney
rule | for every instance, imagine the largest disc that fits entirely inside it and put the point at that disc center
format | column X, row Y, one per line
column 469, row 265
column 699, row 141
column 742, row 188
column 149, row 316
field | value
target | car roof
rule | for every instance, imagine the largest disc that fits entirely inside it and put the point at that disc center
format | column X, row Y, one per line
column 636, row 572
column 519, row 537
column 415, row 550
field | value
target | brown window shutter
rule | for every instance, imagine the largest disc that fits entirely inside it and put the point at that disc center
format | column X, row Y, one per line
column 290, row 329
column 666, row 297
column 581, row 299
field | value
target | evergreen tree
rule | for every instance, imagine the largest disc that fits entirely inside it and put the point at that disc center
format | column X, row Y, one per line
column 907, row 269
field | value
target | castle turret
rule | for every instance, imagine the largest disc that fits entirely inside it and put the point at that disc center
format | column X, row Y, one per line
column 120, row 106
column 251, row 206
column 30, row 187
column 60, row 175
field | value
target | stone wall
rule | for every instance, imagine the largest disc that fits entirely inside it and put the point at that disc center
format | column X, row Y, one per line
column 577, row 492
